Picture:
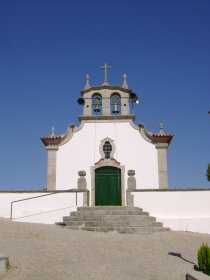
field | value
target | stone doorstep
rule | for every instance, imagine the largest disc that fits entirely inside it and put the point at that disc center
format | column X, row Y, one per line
column 96, row 208
column 110, row 212
column 4, row 263
column 107, row 217
column 197, row 275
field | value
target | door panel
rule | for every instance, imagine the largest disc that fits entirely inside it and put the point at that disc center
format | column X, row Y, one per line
column 108, row 186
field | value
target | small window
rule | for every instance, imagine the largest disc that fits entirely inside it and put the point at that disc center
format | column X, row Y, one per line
column 107, row 148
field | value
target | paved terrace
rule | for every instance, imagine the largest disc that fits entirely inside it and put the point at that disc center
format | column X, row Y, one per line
column 48, row 252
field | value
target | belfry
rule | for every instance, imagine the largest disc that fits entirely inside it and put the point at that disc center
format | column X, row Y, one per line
column 107, row 149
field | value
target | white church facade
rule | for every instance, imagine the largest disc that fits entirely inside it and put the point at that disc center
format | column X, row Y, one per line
column 107, row 149
column 109, row 160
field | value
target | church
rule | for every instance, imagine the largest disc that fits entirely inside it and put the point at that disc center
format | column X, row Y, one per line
column 107, row 151
column 109, row 173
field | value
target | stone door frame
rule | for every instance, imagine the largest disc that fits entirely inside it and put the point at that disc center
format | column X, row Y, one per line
column 107, row 163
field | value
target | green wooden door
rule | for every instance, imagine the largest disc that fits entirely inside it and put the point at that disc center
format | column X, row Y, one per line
column 108, row 186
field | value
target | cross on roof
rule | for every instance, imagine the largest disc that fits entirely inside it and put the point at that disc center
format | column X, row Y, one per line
column 105, row 67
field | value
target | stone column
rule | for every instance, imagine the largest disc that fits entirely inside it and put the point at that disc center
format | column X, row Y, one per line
column 51, row 171
column 162, row 165
column 131, row 187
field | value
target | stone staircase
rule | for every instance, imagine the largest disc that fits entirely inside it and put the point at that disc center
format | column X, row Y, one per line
column 113, row 218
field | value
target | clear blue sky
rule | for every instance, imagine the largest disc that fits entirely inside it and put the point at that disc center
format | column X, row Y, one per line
column 47, row 47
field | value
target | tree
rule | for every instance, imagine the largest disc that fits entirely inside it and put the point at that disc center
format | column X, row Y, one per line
column 208, row 173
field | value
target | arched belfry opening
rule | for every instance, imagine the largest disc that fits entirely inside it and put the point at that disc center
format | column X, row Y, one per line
column 115, row 104
column 96, row 104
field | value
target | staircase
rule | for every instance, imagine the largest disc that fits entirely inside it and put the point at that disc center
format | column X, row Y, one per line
column 113, row 218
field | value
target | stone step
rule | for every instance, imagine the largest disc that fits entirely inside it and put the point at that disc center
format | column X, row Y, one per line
column 113, row 218
column 130, row 230
column 103, row 223
column 95, row 217
column 99, row 208
column 110, row 212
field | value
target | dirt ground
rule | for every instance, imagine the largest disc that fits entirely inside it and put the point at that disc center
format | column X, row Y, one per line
column 49, row 252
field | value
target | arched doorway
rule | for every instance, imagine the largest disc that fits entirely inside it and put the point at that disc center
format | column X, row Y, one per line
column 108, row 186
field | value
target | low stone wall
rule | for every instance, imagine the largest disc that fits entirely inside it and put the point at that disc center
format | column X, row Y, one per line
column 197, row 275
column 4, row 264
column 179, row 209
column 46, row 209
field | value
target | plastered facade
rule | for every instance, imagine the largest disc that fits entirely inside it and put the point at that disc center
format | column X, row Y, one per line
column 82, row 152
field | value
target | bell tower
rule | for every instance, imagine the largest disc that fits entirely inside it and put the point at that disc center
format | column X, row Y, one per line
column 107, row 101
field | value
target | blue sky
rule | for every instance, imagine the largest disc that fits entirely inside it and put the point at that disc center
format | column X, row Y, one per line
column 46, row 49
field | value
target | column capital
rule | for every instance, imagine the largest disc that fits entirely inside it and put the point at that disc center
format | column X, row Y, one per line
column 53, row 148
column 161, row 145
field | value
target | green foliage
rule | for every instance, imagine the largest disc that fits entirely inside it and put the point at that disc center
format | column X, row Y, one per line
column 204, row 259
column 208, row 173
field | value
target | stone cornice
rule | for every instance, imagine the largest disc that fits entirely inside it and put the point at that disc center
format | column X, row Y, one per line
column 155, row 138
column 171, row 190
column 106, row 87
column 106, row 118
column 51, row 140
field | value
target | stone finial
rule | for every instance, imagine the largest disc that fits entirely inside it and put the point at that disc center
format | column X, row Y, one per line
column 125, row 85
column 131, row 172
column 161, row 129
column 82, row 173
column 52, row 132
column 87, row 85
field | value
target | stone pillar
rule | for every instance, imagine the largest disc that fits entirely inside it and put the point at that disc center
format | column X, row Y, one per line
column 131, row 180
column 125, row 106
column 81, row 182
column 162, row 165
column 106, row 106
column 82, row 186
column 87, row 109
column 131, row 187
column 51, row 171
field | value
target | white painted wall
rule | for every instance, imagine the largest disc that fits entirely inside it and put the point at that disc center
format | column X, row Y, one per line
column 82, row 152
column 47, row 209
column 179, row 210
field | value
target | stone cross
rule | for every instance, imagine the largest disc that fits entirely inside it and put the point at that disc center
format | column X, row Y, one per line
column 105, row 67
